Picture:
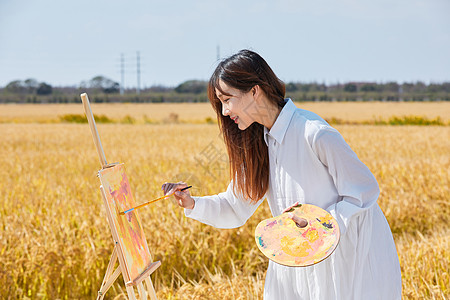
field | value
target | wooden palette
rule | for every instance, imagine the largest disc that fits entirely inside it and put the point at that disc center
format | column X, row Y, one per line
column 283, row 241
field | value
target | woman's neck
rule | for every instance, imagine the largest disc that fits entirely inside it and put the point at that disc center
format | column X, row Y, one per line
column 269, row 112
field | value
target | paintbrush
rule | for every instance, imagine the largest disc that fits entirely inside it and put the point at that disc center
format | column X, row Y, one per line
column 147, row 203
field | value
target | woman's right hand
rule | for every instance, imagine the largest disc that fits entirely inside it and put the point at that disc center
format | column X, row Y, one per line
column 183, row 198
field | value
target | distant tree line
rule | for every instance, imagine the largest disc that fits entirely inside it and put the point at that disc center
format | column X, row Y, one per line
column 29, row 86
column 102, row 89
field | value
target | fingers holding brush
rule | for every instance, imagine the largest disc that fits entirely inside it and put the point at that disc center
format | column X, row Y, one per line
column 180, row 192
column 170, row 188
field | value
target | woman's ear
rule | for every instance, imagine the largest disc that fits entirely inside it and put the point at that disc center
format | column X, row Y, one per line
column 257, row 93
column 256, row 90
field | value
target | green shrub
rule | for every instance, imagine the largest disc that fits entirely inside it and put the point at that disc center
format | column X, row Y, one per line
column 74, row 118
column 415, row 120
column 128, row 120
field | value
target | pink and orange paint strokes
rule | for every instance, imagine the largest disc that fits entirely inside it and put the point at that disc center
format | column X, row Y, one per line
column 281, row 240
column 128, row 227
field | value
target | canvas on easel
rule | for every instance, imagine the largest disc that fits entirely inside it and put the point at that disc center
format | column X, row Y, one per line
column 131, row 249
column 130, row 234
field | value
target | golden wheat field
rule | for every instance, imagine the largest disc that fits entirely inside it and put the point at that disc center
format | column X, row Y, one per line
column 55, row 242
column 198, row 112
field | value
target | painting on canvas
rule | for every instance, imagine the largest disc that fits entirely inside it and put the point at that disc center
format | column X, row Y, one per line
column 128, row 227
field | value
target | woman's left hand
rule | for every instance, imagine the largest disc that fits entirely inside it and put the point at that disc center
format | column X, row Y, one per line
column 301, row 222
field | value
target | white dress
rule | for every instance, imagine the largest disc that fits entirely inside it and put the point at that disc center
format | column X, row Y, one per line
column 311, row 163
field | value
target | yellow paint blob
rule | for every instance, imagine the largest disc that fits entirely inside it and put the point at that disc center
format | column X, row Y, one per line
column 295, row 247
column 312, row 235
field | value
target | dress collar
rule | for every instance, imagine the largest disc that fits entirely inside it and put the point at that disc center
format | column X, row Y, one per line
column 279, row 128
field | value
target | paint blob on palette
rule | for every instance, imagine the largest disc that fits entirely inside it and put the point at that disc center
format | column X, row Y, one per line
column 283, row 241
column 129, row 231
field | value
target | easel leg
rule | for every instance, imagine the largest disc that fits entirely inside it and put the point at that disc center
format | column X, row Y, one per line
column 142, row 292
column 110, row 282
column 130, row 292
column 150, row 288
column 107, row 281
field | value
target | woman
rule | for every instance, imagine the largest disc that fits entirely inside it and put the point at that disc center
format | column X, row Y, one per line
column 287, row 155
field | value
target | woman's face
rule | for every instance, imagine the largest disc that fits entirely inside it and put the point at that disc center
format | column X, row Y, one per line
column 240, row 107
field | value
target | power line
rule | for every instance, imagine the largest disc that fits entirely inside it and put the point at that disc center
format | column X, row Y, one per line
column 122, row 74
column 127, row 68
column 138, row 66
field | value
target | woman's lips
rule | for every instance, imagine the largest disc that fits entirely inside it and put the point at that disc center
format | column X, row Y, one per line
column 235, row 119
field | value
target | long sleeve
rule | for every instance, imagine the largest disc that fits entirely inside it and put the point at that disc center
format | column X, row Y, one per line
column 355, row 184
column 224, row 210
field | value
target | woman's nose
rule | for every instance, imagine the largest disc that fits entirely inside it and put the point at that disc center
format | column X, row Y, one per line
column 225, row 110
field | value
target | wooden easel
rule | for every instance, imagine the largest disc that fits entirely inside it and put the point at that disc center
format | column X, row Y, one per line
column 117, row 254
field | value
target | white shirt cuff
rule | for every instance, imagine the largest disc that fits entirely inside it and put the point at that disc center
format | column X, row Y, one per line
column 198, row 209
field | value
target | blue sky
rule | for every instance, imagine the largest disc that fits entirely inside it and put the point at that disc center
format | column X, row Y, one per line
column 66, row 42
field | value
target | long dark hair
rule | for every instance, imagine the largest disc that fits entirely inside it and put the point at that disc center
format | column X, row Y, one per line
column 247, row 151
